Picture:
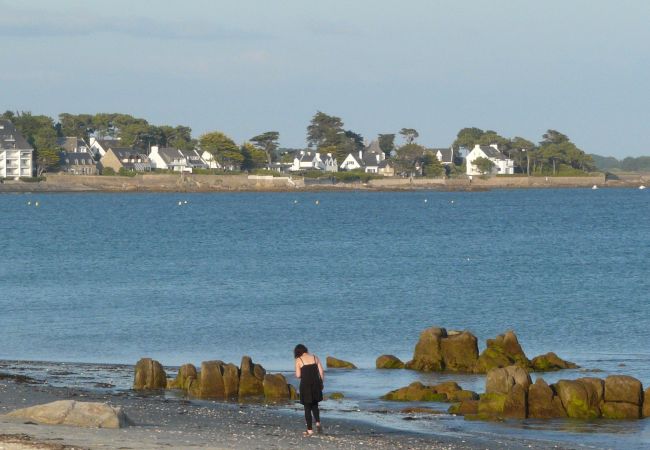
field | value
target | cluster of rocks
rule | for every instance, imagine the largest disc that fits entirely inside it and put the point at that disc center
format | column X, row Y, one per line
column 510, row 393
column 448, row 391
column 216, row 380
column 440, row 350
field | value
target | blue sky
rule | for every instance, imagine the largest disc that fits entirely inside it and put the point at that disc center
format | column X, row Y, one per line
column 518, row 67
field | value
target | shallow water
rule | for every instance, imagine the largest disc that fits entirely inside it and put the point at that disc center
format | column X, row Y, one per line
column 108, row 278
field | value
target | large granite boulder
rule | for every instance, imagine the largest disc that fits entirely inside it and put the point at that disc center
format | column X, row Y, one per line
column 502, row 351
column 579, row 398
column 427, row 356
column 645, row 412
column 73, row 413
column 335, row 363
column 623, row 398
column 389, row 362
column 210, row 381
column 502, row 380
column 251, row 380
column 543, row 403
column 149, row 374
column 506, row 392
column 276, row 387
column 186, row 374
column 231, row 380
column 443, row 392
column 459, row 351
column 550, row 361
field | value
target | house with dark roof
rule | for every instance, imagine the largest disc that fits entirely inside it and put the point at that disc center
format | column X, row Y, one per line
column 169, row 158
column 78, row 163
column 371, row 160
column 502, row 164
column 99, row 147
column 72, row 144
column 16, row 154
column 444, row 155
column 311, row 160
column 130, row 159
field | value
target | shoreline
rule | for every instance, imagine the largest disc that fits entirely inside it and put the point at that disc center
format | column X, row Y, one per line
column 160, row 183
column 177, row 423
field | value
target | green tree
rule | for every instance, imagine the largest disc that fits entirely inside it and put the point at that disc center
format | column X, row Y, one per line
column 324, row 130
column 468, row 138
column 484, row 165
column 431, row 165
column 268, row 143
column 387, row 143
column 78, row 125
column 409, row 135
column 409, row 158
column 222, row 148
column 254, row 157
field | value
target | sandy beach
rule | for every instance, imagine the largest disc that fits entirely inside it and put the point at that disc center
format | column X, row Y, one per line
column 176, row 423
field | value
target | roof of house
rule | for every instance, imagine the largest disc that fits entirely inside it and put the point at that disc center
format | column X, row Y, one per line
column 373, row 147
column 371, row 158
column 385, row 163
column 10, row 138
column 492, row 152
column 108, row 143
column 446, row 153
column 70, row 143
column 77, row 158
column 126, row 152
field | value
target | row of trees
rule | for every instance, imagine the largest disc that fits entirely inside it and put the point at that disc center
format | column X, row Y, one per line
column 325, row 133
column 629, row 164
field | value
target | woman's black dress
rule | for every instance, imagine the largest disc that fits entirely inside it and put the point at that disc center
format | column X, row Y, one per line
column 310, row 385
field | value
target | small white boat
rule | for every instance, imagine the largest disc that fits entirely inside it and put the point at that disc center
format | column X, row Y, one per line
column 642, row 187
column 594, row 187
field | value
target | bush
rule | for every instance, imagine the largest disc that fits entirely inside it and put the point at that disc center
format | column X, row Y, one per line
column 354, row 175
column 108, row 171
column 126, row 173
column 215, row 172
column 33, row 179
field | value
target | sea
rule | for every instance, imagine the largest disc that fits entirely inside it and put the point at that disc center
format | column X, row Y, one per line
column 91, row 282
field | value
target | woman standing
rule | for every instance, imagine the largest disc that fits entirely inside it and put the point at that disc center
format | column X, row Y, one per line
column 310, row 372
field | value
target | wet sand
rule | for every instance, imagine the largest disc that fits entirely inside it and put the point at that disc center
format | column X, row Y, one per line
column 177, row 423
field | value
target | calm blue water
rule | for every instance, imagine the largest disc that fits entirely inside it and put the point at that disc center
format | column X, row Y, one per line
column 112, row 277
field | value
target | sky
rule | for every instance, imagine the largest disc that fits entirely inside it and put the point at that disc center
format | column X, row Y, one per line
column 243, row 67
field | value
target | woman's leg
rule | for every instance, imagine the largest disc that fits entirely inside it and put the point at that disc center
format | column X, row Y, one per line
column 316, row 412
column 308, row 407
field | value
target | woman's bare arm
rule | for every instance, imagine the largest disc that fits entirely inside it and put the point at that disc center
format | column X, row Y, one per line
column 320, row 369
column 298, row 367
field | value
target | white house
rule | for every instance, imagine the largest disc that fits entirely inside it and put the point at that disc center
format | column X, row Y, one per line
column 502, row 164
column 309, row 160
column 210, row 160
column 176, row 159
column 369, row 159
column 444, row 155
column 15, row 152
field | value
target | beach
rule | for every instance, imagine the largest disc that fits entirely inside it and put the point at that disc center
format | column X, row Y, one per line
column 177, row 423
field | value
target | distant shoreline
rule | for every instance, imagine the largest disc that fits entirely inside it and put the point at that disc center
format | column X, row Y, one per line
column 243, row 183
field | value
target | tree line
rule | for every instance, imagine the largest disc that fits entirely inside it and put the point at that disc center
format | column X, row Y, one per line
column 326, row 133
column 629, row 164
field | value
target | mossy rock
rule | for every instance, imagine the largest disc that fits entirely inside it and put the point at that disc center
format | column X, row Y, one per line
column 185, row 372
column 389, row 362
column 149, row 374
column 416, row 392
column 251, row 379
column 646, row 403
column 620, row 411
column 335, row 363
column 276, row 387
column 492, row 404
column 421, row 410
column 578, row 399
column 427, row 356
column 464, row 408
column 462, row 395
column 551, row 362
column 335, row 396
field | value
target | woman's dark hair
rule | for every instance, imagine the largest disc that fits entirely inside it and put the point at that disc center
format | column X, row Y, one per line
column 299, row 351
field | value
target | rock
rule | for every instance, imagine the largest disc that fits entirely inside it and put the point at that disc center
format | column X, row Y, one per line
column 231, row 380
column 251, row 380
column 597, row 384
column 210, row 379
column 502, row 351
column 516, row 405
column 542, row 402
column 579, row 399
column 620, row 410
column 421, row 410
column 462, row 395
column 464, row 408
column 622, row 388
column 335, row 396
column 550, row 361
column 492, row 404
column 646, row 403
column 334, row 363
column 389, row 362
column 73, row 413
column 293, row 394
column 149, row 374
column 459, row 352
column 427, row 356
column 186, row 373
column 416, row 392
column 276, row 387
column 501, row 380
